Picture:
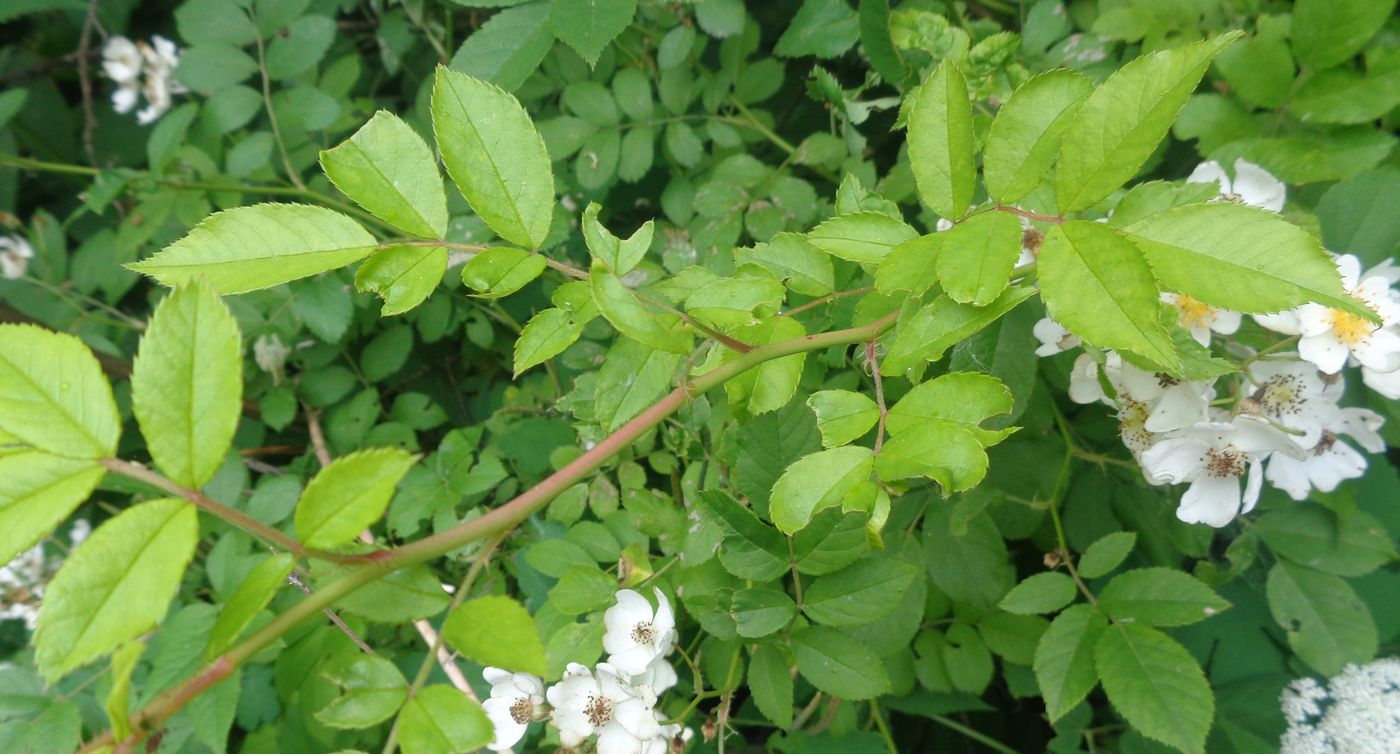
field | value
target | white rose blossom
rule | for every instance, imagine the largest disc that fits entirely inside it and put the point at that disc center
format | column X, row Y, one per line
column 604, row 703
column 1330, row 461
column 1358, row 712
column 1201, row 319
column 516, row 700
column 1329, row 337
column 141, row 69
column 636, row 634
column 1212, row 457
column 1252, row 185
column 15, row 253
column 673, row 738
column 1293, row 394
column 1054, row 338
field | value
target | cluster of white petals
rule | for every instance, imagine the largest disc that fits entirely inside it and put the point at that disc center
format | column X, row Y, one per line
column 22, row 580
column 1357, row 712
column 141, row 69
column 614, row 702
column 15, row 253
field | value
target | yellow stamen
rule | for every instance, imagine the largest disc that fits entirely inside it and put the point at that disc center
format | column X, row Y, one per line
column 1194, row 313
column 1351, row 329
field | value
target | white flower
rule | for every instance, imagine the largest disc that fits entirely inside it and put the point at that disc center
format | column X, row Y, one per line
column 22, row 583
column 1252, row 185
column 673, row 738
column 15, row 253
column 1329, row 461
column 516, row 700
column 1084, row 385
column 271, row 355
column 125, row 97
column 157, row 91
column 635, row 634
column 659, row 676
column 1357, row 713
column 1211, row 457
column 121, row 60
column 1171, row 403
column 1294, row 394
column 1200, row 319
column 1053, row 337
column 141, row 69
column 1385, row 383
column 619, row 713
column 1329, row 336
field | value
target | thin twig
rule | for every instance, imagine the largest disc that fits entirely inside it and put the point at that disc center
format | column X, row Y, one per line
column 85, row 80
column 874, row 364
column 271, row 111
column 1055, row 219
column 296, row 581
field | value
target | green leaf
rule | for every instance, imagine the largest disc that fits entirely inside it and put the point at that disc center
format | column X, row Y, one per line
column 207, row 68
column 119, row 696
column 1341, row 95
column 940, row 141
column 1314, row 536
column 545, row 336
column 862, row 593
column 582, row 589
column 1096, row 283
column 116, row 586
column 496, row 630
column 752, row 549
column 53, row 395
column 1064, row 659
column 833, row 540
column 501, row 271
column 817, row 481
column 495, row 156
column 404, row 595
column 1328, row 32
column 247, row 248
column 253, row 594
column 187, row 384
column 387, row 168
column 1244, row 258
column 1355, row 215
column 1159, row 597
column 942, row 451
column 760, row 612
column 1106, row 554
column 824, row 28
column 374, row 690
column 976, row 257
column 299, row 46
column 403, row 276
column 1013, row 637
column 1042, row 593
column 1156, row 685
column 442, row 720
column 843, row 416
column 508, row 47
column 1118, row 126
column 970, row 567
column 793, row 259
column 1025, row 135
column 1260, row 69
column 838, row 664
column 863, row 237
column 962, row 398
column 911, row 266
column 632, row 378
column 771, row 685
column 1328, row 625
column 349, row 495
column 770, row 385
column 619, row 255
column 942, row 324
column 967, row 660
column 37, row 492
column 619, row 305
column 589, row 26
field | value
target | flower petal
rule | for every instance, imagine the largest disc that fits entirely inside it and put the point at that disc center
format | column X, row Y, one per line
column 1209, row 500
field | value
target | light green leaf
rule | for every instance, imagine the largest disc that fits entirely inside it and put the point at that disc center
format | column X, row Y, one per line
column 760, row 612
column 1025, row 135
column 1120, row 123
column 495, row 156
column 37, row 492
column 119, row 695
column 861, row 593
column 1341, row 95
column 442, row 720
column 508, row 47
column 496, row 630
column 633, row 376
column 545, row 336
column 501, row 271
column 619, row 305
column 863, row 237
column 911, row 266
column 403, row 276
column 207, row 68
column 349, row 495
column 53, row 395
column 115, row 586
column 842, row 415
column 1096, row 283
column 259, row 246
column 1042, row 593
column 404, row 595
column 1064, row 659
column 1105, row 554
column 374, row 690
column 940, row 141
column 1244, row 258
column 589, row 26
column 976, row 257
column 942, row 451
column 838, row 664
column 1328, row 625
column 253, row 594
column 791, row 258
column 963, row 398
column 771, row 685
column 187, row 384
column 732, row 302
column 620, row 256
column 817, row 481
column 1156, row 685
column 1328, row 32
column 1159, row 597
column 752, row 549
column 387, row 168
column 770, row 385
column 299, row 46
column 582, row 589
column 942, row 324
column 824, row 28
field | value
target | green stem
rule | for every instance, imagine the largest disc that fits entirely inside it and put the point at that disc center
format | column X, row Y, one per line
column 271, row 112
column 883, row 726
column 494, row 523
column 971, row 733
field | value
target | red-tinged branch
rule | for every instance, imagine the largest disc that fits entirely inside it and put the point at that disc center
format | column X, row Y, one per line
column 1056, row 219
column 494, row 523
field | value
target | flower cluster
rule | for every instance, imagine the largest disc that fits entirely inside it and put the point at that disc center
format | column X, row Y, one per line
column 142, row 69
column 1284, row 424
column 1357, row 712
column 15, row 253
column 615, row 701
